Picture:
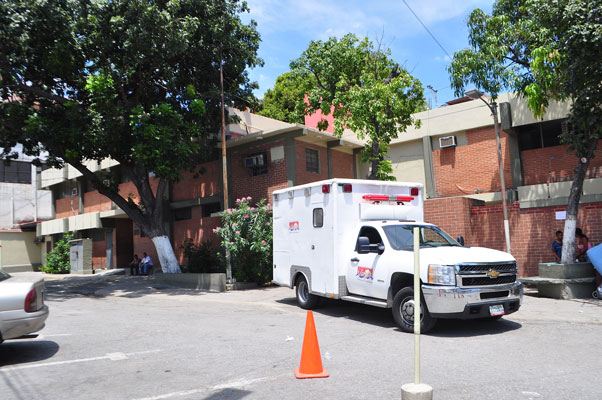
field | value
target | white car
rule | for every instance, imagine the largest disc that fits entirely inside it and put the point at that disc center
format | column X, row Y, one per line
column 22, row 309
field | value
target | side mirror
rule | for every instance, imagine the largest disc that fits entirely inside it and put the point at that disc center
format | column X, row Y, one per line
column 460, row 240
column 363, row 245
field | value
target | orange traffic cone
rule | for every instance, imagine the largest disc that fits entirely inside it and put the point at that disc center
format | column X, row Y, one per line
column 311, row 361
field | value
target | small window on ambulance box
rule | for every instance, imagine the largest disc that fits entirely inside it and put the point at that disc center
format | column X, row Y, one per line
column 318, row 217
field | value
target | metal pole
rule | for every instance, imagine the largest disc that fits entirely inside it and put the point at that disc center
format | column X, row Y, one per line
column 224, row 160
column 493, row 108
column 416, row 305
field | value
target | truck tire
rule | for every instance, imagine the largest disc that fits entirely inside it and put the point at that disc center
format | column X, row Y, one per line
column 305, row 299
column 403, row 312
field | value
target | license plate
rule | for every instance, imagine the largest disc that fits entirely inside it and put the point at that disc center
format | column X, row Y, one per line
column 496, row 310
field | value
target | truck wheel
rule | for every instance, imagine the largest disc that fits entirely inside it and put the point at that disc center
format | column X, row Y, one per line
column 403, row 312
column 305, row 299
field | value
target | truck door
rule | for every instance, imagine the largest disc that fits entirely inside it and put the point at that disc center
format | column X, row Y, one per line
column 367, row 273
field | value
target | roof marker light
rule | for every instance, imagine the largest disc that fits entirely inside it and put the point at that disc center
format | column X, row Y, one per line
column 347, row 188
column 325, row 188
column 414, row 191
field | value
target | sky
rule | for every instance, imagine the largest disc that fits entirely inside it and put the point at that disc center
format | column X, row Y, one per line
column 287, row 27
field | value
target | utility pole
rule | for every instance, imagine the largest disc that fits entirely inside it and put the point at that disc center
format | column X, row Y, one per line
column 475, row 94
column 224, row 160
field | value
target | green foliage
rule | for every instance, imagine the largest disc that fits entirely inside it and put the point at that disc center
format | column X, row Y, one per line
column 58, row 261
column 280, row 102
column 365, row 90
column 543, row 51
column 247, row 232
column 135, row 81
column 203, row 258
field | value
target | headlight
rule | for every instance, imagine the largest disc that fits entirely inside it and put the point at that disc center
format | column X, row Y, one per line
column 442, row 274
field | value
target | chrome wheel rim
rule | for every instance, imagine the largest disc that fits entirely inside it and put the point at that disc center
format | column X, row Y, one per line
column 303, row 291
column 406, row 309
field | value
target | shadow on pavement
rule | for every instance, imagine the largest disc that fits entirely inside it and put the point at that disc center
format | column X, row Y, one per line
column 21, row 351
column 472, row 327
column 382, row 317
column 230, row 394
column 116, row 285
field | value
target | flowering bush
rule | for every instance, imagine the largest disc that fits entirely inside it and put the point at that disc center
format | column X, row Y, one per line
column 247, row 232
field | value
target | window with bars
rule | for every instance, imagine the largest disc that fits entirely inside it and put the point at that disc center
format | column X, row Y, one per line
column 312, row 160
column 15, row 172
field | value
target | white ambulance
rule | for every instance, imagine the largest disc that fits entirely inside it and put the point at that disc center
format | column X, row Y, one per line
column 353, row 240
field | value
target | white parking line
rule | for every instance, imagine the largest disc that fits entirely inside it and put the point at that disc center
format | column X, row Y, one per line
column 108, row 356
column 228, row 385
column 54, row 335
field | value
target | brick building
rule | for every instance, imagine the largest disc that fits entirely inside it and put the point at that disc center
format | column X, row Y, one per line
column 263, row 155
column 462, row 182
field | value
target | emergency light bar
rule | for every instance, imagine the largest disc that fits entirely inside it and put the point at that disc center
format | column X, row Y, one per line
column 384, row 197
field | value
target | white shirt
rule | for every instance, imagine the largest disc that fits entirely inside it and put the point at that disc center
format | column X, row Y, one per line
column 147, row 260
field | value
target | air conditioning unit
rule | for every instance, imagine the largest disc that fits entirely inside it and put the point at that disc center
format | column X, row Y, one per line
column 447, row 141
column 257, row 160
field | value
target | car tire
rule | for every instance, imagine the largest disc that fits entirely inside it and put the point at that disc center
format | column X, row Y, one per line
column 403, row 312
column 305, row 299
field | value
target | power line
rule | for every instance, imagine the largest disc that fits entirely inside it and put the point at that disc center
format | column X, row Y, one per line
column 427, row 29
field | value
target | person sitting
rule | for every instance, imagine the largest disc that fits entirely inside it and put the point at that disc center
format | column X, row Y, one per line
column 583, row 245
column 557, row 246
column 135, row 265
column 146, row 264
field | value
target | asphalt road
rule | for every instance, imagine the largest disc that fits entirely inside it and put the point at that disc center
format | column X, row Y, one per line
column 130, row 338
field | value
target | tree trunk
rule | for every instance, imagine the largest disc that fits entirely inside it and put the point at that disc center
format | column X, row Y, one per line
column 167, row 257
column 572, row 208
column 375, row 156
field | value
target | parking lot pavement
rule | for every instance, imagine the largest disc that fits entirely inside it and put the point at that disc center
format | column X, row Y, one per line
column 130, row 338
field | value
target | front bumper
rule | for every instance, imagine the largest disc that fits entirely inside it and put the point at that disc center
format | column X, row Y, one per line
column 474, row 302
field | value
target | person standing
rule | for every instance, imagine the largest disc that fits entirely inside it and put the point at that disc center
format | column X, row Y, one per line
column 146, row 264
column 557, row 246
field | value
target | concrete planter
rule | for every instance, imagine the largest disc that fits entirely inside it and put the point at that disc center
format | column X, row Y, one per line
column 569, row 271
column 559, row 281
column 203, row 282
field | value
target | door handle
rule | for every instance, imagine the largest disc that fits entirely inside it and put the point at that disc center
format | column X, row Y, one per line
column 355, row 259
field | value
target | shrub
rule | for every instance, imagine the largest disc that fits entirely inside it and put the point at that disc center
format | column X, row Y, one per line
column 203, row 258
column 58, row 261
column 247, row 232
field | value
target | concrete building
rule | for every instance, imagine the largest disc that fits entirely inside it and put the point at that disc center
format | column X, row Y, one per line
column 22, row 207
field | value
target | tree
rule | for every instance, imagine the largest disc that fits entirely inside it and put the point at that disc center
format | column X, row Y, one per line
column 280, row 102
column 542, row 50
column 366, row 92
column 136, row 81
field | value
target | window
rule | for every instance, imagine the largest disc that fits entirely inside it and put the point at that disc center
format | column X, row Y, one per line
column 182, row 214
column 372, row 235
column 318, row 217
column 312, row 160
column 208, row 209
column 256, row 163
column 15, row 172
column 540, row 135
column 401, row 237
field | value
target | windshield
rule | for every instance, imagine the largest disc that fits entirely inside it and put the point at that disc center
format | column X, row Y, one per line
column 3, row 275
column 401, row 237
